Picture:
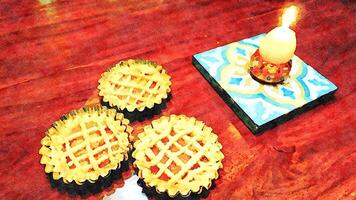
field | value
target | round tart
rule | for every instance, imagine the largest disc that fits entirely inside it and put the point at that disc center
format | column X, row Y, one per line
column 86, row 149
column 177, row 157
column 137, row 88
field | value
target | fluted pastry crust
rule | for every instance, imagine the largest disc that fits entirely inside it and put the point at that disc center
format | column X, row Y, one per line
column 86, row 144
column 178, row 155
column 134, row 85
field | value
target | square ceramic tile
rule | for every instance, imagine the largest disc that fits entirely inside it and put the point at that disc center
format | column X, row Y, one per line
column 261, row 106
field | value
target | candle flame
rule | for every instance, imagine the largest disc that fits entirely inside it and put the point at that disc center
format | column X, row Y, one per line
column 289, row 16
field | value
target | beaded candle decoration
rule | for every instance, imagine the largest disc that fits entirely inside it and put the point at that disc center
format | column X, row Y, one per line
column 271, row 63
column 268, row 73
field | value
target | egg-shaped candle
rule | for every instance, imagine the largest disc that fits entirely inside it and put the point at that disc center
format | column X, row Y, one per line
column 278, row 46
column 272, row 61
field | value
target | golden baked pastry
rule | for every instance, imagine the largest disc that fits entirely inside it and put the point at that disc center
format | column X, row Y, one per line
column 85, row 144
column 178, row 155
column 134, row 85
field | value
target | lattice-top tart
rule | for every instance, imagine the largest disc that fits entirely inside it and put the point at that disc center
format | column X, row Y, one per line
column 86, row 144
column 134, row 85
column 178, row 155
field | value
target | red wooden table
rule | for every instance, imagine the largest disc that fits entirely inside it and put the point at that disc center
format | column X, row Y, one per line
column 52, row 54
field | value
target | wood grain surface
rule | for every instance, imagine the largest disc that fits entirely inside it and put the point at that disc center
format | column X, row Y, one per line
column 53, row 52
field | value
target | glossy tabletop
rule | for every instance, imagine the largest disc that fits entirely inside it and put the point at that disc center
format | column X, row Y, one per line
column 53, row 52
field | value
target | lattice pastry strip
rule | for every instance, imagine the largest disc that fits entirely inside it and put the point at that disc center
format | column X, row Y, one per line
column 184, row 167
column 134, row 84
column 86, row 144
column 126, row 91
column 178, row 154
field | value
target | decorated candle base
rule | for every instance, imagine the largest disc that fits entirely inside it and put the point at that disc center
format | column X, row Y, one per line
column 261, row 106
column 268, row 73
